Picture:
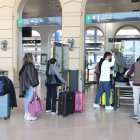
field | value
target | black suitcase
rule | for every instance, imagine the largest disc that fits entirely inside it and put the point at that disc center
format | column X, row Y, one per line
column 66, row 103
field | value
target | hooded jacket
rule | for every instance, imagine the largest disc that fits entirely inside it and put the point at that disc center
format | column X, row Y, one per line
column 28, row 76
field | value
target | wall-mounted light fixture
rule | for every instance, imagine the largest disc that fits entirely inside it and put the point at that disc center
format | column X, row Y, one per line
column 70, row 43
column 3, row 45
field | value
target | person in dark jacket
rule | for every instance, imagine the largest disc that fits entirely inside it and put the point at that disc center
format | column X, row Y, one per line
column 8, row 88
column 52, row 73
column 135, row 70
column 28, row 79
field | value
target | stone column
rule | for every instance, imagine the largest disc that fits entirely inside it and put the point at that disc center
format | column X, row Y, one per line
column 6, row 30
column 72, row 27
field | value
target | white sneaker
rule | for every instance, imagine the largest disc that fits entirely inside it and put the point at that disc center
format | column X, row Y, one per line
column 48, row 111
column 109, row 108
column 96, row 106
column 25, row 116
column 30, row 118
column 54, row 113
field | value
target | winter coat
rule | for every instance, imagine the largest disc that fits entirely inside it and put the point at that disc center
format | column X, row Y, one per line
column 9, row 89
column 28, row 76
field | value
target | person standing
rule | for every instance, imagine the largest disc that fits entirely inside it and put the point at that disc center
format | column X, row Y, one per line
column 28, row 80
column 135, row 70
column 53, row 77
column 105, row 81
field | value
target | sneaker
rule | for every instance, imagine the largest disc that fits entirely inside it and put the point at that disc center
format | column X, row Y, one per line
column 133, row 116
column 48, row 111
column 109, row 108
column 54, row 113
column 96, row 106
column 25, row 116
column 30, row 118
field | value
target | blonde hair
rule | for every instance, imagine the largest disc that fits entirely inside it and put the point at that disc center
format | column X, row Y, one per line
column 28, row 58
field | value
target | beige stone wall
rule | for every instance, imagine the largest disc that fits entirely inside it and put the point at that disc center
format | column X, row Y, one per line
column 6, row 33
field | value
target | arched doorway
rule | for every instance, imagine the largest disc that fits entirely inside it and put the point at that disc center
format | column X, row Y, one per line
column 35, row 9
column 55, row 37
column 127, row 31
column 94, row 40
column 33, row 44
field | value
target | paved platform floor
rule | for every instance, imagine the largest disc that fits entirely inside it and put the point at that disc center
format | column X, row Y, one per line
column 88, row 125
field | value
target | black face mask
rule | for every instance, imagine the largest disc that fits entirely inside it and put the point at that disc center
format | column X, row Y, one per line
column 110, row 60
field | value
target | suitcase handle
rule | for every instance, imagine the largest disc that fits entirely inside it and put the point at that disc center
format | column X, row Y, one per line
column 64, row 87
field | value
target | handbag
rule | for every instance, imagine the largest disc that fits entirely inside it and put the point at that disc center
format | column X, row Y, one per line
column 35, row 107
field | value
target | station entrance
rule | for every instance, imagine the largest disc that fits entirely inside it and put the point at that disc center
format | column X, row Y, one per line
column 119, row 28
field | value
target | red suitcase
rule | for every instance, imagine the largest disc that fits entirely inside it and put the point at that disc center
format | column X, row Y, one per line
column 79, row 101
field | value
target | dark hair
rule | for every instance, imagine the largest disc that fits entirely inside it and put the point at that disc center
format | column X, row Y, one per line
column 52, row 60
column 106, row 54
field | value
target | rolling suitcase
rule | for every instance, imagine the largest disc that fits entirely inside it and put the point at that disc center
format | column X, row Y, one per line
column 103, row 99
column 66, row 103
column 4, row 107
column 79, row 101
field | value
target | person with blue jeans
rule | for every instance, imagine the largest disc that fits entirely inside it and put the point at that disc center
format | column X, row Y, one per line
column 105, row 81
column 28, row 98
column 28, row 80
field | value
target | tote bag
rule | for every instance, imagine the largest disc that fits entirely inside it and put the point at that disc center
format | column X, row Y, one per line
column 35, row 107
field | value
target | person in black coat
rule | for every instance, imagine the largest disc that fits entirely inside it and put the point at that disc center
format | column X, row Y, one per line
column 7, row 87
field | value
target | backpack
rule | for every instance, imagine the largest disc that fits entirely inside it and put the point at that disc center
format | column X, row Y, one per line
column 4, row 85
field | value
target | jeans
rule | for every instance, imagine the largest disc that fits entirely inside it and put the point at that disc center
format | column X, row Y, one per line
column 28, row 97
column 51, row 98
column 136, row 96
column 103, row 87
